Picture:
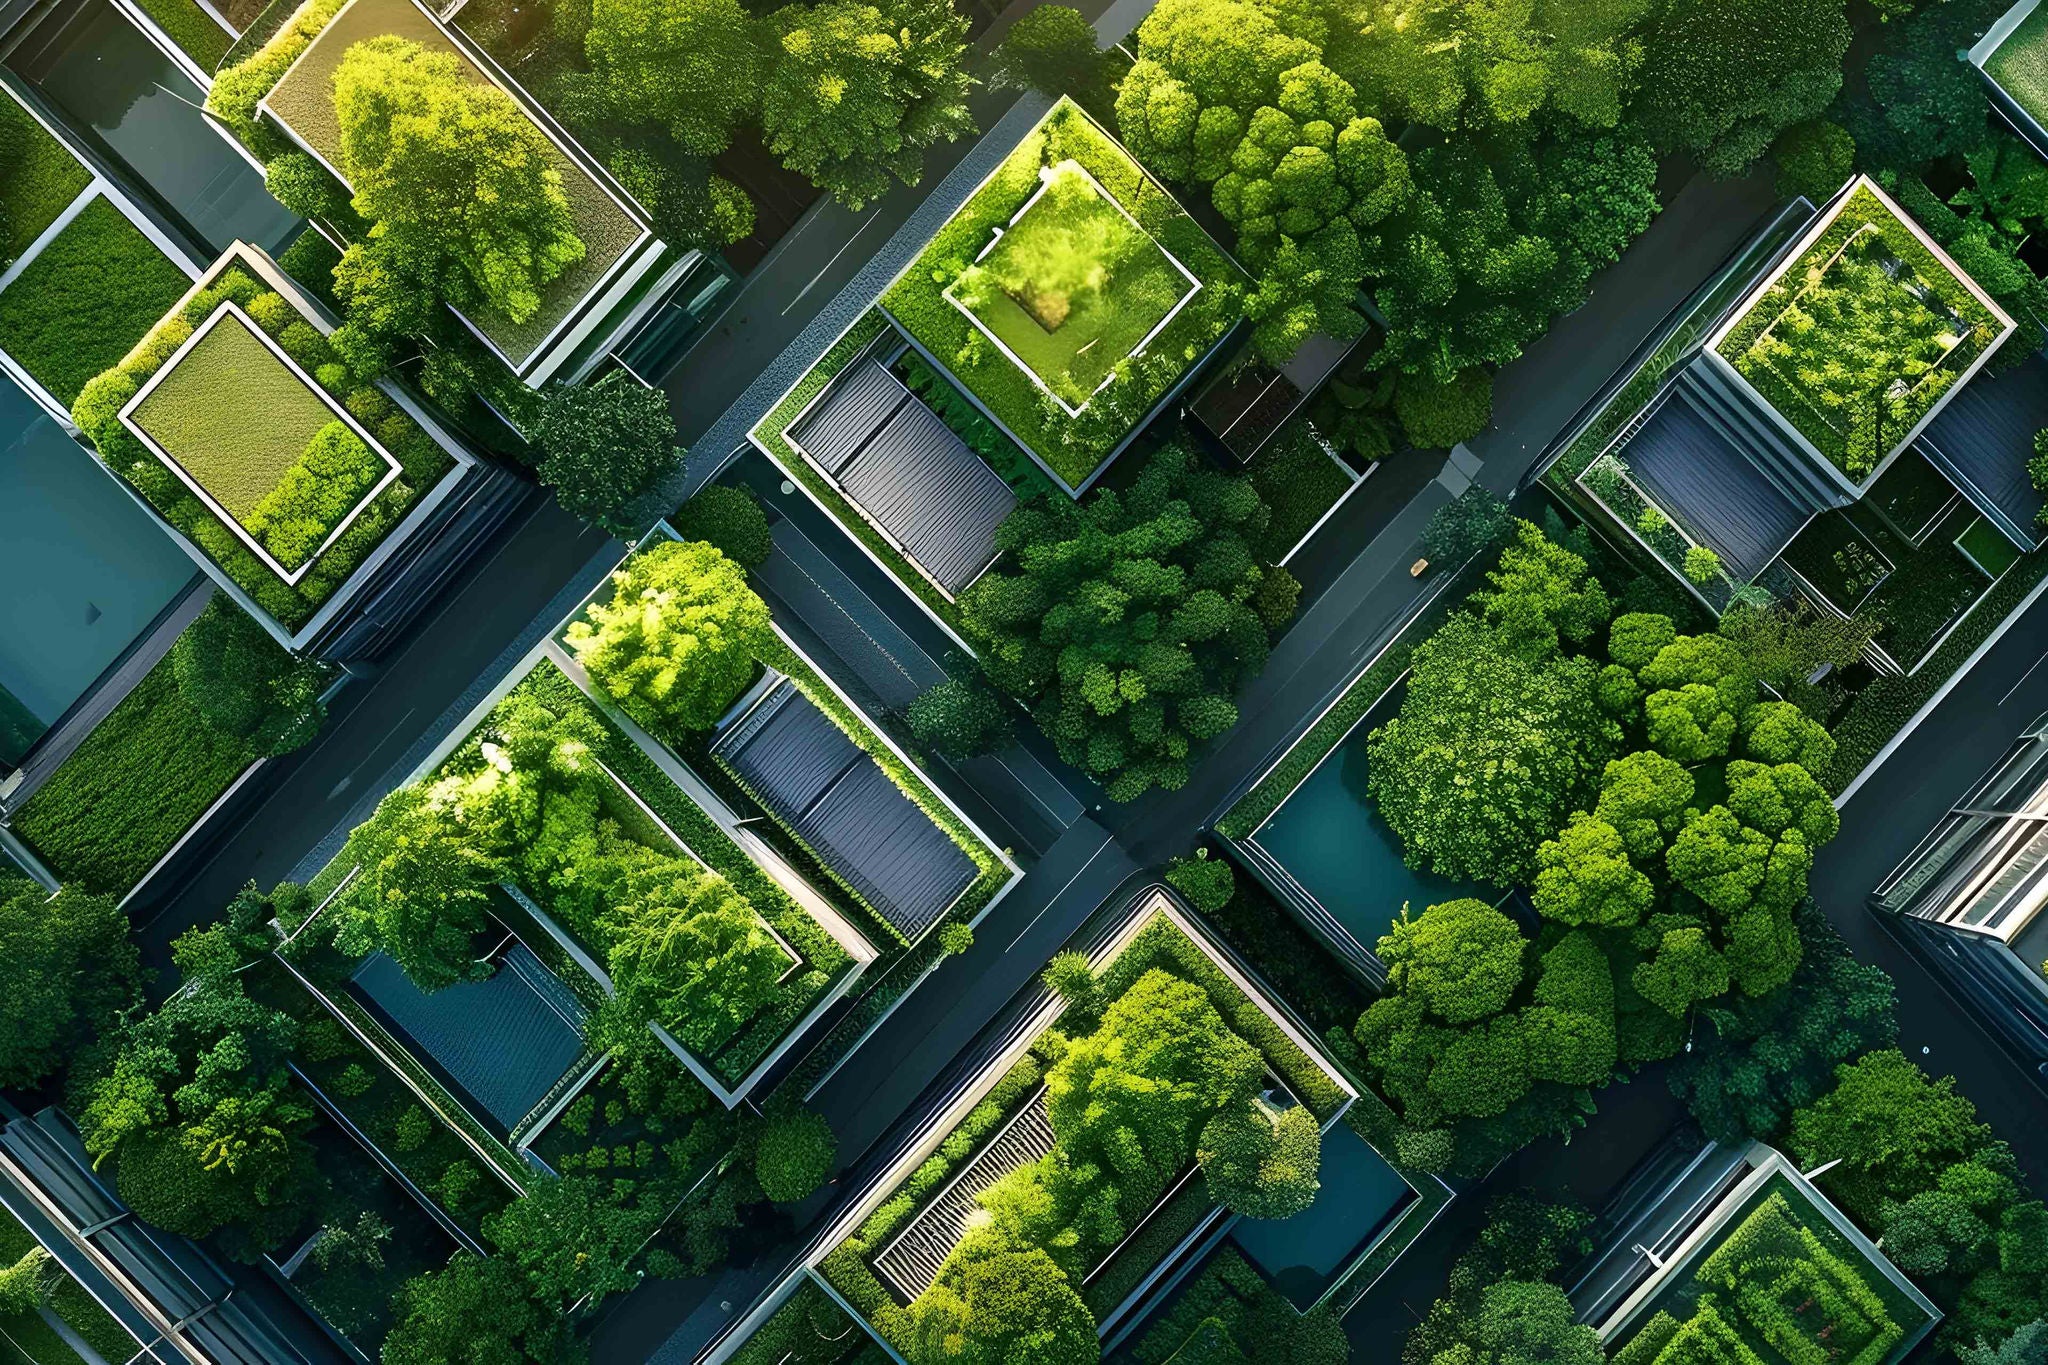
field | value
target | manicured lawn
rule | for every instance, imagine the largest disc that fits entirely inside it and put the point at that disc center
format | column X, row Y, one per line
column 90, row 295
column 1297, row 479
column 1861, row 335
column 200, row 414
column 2020, row 64
column 40, row 175
column 140, row 780
column 1072, row 287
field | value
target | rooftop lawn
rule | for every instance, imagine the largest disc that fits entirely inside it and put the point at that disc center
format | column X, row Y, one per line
column 1072, row 287
column 1861, row 335
column 31, row 1337
column 2020, row 64
column 303, row 100
column 89, row 295
column 41, row 176
column 1072, row 262
column 305, row 471
column 1777, row 1285
column 289, row 479
column 140, row 780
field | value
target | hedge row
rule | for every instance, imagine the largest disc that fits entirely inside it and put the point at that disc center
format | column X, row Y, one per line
column 140, row 780
column 810, row 1329
column 1072, row 446
column 238, row 89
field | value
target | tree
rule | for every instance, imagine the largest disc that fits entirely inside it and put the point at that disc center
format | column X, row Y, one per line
column 423, row 893
column 473, row 1311
column 1259, row 1164
column 794, row 1153
column 1644, row 796
column 459, row 184
column 1489, row 753
column 1584, row 876
column 569, row 1238
column 1542, row 593
column 730, row 517
column 24, row 1284
column 1523, row 1322
column 602, row 445
column 1438, row 416
column 689, row 952
column 1132, row 617
column 1071, row 977
column 857, row 92
column 1779, row 732
column 71, row 969
column 1786, row 642
column 690, row 205
column 1702, row 566
column 1207, row 882
column 1892, row 1126
column 1468, row 524
column 961, row 717
column 1815, row 159
column 243, row 683
column 679, row 639
column 2026, row 1346
column 1054, row 51
column 1461, row 960
column 1725, row 77
column 1011, row 1305
column 693, row 67
column 1684, row 970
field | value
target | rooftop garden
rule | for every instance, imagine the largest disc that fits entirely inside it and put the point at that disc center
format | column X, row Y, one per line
column 1049, row 1244
column 1777, row 1284
column 1857, row 340
column 225, row 696
column 2020, row 64
column 1049, row 321
column 85, row 298
column 39, row 178
column 287, row 507
column 32, row 1284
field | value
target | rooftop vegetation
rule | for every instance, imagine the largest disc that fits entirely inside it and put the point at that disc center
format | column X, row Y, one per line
column 39, row 177
column 1859, row 337
column 87, row 296
column 1159, row 1018
column 2020, row 64
column 152, row 768
column 1778, row 1283
column 1114, row 285
column 30, row 1281
column 311, row 477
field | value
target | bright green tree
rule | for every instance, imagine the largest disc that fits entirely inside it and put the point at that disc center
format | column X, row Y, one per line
column 1683, row 970
column 679, row 638
column 1541, row 593
column 688, row 951
column 71, row 969
column 1011, row 1305
column 458, row 184
column 692, row 66
column 243, row 683
column 473, row 1311
column 1893, row 1127
column 1461, row 960
column 1262, row 1165
column 1584, row 876
column 602, row 445
column 1053, row 49
column 1779, row 732
column 423, row 893
column 1724, row 77
column 1644, row 796
column 1523, row 1322
column 856, row 92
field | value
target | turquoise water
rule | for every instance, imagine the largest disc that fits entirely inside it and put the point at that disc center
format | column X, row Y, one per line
column 1302, row 1254
column 86, row 571
column 1330, row 836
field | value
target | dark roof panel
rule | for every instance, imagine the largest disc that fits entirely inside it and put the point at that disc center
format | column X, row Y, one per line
column 1711, row 489
column 847, row 414
column 798, row 763
column 934, row 494
column 1983, row 439
column 505, row 1041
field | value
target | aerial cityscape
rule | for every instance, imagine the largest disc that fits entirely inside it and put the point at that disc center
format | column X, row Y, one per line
column 979, row 682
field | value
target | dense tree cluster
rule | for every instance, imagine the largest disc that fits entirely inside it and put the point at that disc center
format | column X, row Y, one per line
column 70, row 969
column 603, row 444
column 1503, row 1306
column 1130, row 618
column 243, row 683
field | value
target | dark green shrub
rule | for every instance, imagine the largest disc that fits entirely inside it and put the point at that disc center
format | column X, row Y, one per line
column 730, row 518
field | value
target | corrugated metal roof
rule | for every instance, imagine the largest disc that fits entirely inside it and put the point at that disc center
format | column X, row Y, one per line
column 1709, row 487
column 908, row 471
column 800, row 765
column 936, row 496
column 1983, row 439
column 504, row 1042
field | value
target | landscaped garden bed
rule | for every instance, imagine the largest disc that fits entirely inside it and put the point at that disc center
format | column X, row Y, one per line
column 236, row 420
column 2019, row 64
column 1069, row 295
column 31, row 1336
column 42, row 179
column 1857, row 341
column 810, row 1329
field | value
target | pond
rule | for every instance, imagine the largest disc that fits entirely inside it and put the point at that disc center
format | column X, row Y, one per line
column 89, row 569
column 1329, row 836
column 110, row 78
column 1303, row 1255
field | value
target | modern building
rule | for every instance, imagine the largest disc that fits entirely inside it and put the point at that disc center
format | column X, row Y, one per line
column 2008, row 57
column 1971, row 901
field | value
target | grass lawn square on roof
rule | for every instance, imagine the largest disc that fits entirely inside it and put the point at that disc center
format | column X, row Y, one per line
column 289, row 479
column 1069, row 294
column 1072, row 286
column 1860, row 338
column 40, row 177
column 2020, row 64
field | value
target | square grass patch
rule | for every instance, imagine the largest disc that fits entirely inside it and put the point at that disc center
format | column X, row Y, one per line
column 290, row 479
column 92, row 292
column 41, row 178
column 1072, row 286
column 2020, row 64
column 1086, row 269
column 1862, row 336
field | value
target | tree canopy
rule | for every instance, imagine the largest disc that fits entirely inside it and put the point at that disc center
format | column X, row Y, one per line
column 602, row 445
column 70, row 968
